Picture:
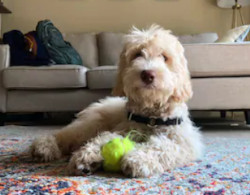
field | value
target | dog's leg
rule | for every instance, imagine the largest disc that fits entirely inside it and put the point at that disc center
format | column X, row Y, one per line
column 70, row 138
column 150, row 159
column 142, row 162
column 96, row 118
column 156, row 156
column 88, row 158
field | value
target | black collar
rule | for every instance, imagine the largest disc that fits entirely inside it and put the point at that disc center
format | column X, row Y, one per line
column 153, row 121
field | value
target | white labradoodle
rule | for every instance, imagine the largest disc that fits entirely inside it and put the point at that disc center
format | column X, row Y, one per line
column 154, row 77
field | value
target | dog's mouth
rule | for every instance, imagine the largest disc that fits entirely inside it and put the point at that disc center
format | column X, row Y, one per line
column 154, row 87
column 150, row 87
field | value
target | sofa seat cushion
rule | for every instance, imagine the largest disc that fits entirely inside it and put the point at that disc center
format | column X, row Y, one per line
column 46, row 77
column 102, row 77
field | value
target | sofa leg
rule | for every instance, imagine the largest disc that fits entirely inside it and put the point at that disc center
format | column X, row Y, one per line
column 223, row 114
column 247, row 116
column 2, row 118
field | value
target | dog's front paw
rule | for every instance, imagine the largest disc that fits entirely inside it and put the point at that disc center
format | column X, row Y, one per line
column 85, row 162
column 139, row 164
column 45, row 149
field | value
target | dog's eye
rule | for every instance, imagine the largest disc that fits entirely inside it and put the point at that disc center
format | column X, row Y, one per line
column 138, row 54
column 165, row 58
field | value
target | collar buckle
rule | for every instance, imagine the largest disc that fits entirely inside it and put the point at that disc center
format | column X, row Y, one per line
column 177, row 121
column 130, row 116
column 152, row 122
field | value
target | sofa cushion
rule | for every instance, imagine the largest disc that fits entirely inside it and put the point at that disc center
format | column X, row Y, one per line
column 237, row 34
column 110, row 46
column 86, row 46
column 102, row 77
column 52, row 77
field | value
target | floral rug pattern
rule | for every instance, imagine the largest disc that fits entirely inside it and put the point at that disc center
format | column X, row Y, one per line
column 225, row 169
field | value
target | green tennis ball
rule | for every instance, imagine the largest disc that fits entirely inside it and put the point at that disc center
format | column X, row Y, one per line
column 113, row 152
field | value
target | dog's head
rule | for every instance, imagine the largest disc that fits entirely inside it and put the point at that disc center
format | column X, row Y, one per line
column 153, row 68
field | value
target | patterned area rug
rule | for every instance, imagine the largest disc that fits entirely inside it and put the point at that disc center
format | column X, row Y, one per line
column 225, row 169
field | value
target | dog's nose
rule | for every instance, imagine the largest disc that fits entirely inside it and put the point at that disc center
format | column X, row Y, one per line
column 86, row 171
column 147, row 76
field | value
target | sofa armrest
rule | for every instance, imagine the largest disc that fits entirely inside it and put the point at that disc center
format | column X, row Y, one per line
column 218, row 59
column 4, row 56
column 4, row 63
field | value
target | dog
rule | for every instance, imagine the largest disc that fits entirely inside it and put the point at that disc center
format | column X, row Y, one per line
column 150, row 95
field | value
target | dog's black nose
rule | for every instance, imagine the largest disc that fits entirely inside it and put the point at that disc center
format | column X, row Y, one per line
column 147, row 76
column 86, row 171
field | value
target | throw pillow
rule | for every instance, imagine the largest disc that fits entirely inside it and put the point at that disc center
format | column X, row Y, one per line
column 235, row 35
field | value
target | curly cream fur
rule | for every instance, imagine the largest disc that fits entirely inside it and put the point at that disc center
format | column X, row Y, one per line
column 167, row 146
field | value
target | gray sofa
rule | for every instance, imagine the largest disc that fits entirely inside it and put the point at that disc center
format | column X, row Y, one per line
column 220, row 75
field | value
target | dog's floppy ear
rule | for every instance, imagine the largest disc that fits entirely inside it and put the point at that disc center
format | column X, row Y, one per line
column 118, row 88
column 183, row 92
